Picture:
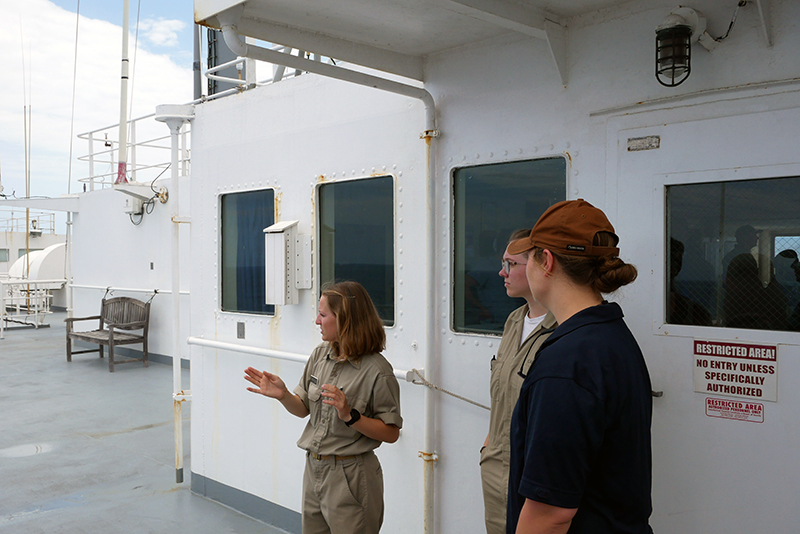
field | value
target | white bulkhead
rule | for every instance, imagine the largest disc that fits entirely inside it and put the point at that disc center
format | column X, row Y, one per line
column 502, row 100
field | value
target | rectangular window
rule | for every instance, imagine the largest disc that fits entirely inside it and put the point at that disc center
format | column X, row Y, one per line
column 356, row 237
column 243, row 218
column 732, row 251
column 3, row 254
column 491, row 202
column 21, row 252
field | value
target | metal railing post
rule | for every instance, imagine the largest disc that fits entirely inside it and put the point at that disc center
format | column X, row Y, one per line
column 91, row 161
column 132, row 144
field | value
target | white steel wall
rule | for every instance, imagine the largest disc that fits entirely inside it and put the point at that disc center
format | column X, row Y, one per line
column 291, row 137
column 501, row 101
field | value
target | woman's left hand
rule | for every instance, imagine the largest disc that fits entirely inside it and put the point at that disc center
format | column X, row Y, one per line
column 336, row 398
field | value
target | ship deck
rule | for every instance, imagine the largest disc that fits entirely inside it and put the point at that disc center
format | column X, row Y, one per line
column 85, row 450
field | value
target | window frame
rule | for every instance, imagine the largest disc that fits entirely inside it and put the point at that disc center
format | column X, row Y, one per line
column 318, row 282
column 451, row 296
column 659, row 284
column 219, row 233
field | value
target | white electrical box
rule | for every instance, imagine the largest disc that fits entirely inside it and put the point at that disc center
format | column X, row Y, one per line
column 132, row 206
column 287, row 265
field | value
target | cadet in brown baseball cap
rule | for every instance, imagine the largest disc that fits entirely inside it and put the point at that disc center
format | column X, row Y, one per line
column 580, row 434
column 569, row 227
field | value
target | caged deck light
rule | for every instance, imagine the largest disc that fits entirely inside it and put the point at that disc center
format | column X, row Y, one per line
column 674, row 38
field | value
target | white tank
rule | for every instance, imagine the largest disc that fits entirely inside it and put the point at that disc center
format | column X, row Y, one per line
column 47, row 264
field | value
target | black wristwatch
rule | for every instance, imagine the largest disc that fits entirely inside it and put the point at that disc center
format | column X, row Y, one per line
column 355, row 415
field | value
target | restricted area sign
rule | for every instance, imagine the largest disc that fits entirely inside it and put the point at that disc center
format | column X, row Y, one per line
column 736, row 369
column 735, row 409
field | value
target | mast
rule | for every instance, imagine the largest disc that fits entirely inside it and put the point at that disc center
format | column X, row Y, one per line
column 123, row 99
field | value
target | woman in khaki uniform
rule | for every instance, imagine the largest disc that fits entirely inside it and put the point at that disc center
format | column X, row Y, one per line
column 353, row 399
column 526, row 329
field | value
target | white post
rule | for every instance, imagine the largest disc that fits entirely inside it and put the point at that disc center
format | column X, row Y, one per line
column 123, row 101
column 91, row 162
column 133, row 151
column 175, row 117
column 2, row 309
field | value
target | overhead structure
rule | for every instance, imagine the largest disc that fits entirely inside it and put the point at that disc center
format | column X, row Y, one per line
column 418, row 29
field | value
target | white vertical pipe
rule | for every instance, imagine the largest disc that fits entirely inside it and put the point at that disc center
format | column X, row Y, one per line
column 123, row 101
column 91, row 162
column 175, row 117
column 3, row 311
column 68, row 273
column 174, row 128
column 430, row 456
column 133, row 151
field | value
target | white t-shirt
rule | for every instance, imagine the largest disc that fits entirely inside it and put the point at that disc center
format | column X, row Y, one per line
column 529, row 326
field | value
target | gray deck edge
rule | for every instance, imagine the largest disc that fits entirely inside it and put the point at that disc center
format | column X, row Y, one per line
column 248, row 504
column 127, row 352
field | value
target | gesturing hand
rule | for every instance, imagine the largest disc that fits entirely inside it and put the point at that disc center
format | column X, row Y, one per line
column 336, row 398
column 266, row 383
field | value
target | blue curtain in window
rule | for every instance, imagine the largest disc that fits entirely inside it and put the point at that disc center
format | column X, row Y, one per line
column 254, row 212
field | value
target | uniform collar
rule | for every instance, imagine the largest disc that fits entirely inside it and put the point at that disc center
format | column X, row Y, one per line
column 549, row 320
column 602, row 313
column 331, row 356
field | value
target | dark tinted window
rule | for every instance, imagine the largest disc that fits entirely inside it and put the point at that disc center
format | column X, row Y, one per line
column 356, row 237
column 732, row 254
column 491, row 201
column 243, row 219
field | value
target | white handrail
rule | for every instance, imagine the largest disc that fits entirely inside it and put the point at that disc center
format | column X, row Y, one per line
column 40, row 298
column 408, row 376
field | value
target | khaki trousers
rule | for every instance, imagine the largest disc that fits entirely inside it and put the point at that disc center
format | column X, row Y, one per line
column 494, row 481
column 343, row 496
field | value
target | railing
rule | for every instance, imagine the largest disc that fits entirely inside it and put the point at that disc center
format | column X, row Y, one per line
column 25, row 302
column 147, row 159
column 15, row 220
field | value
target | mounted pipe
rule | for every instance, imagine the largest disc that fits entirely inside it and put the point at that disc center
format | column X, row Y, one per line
column 175, row 116
column 239, row 47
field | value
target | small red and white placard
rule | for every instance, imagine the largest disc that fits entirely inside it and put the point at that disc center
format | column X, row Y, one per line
column 735, row 409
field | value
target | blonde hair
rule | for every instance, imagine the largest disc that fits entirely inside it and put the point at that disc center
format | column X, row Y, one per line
column 360, row 329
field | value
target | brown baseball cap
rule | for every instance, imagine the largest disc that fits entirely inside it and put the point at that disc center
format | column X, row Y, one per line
column 568, row 228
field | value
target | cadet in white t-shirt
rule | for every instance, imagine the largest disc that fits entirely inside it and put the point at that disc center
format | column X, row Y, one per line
column 525, row 330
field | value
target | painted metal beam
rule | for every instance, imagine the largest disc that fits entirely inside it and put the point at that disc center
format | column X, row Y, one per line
column 360, row 54
column 522, row 19
column 763, row 15
column 557, row 42
column 65, row 203
column 509, row 15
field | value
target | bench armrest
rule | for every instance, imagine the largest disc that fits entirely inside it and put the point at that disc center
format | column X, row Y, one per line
column 137, row 325
column 73, row 319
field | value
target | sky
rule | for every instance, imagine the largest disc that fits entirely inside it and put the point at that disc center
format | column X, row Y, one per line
column 38, row 43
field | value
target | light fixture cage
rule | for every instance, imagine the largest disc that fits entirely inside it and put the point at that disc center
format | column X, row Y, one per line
column 673, row 54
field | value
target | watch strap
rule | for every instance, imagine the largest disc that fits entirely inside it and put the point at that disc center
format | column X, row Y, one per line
column 355, row 415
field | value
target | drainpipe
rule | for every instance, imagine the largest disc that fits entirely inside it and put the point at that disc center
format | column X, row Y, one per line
column 236, row 44
column 428, row 455
column 175, row 116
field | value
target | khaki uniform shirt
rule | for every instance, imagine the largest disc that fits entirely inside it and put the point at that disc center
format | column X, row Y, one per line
column 371, row 388
column 505, row 380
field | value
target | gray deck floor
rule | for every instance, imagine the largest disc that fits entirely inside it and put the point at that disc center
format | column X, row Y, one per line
column 85, row 450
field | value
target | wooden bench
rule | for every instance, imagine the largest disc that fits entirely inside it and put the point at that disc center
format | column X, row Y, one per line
column 119, row 317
